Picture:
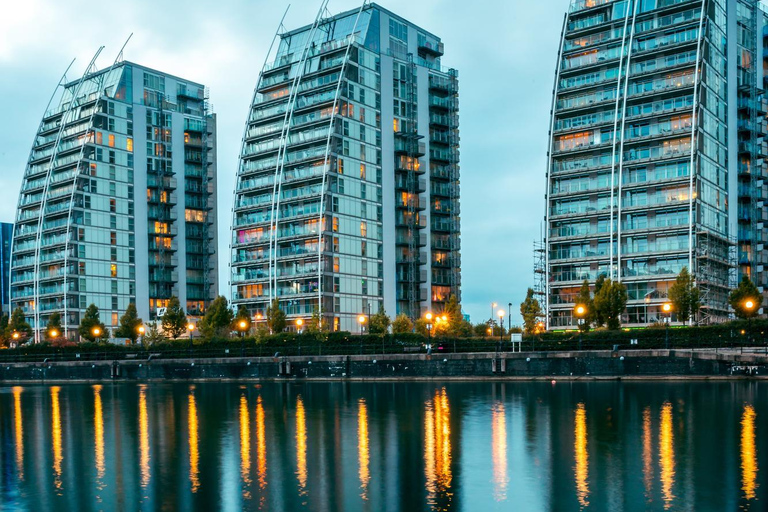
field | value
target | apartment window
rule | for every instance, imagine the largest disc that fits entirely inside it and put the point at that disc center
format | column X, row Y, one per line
column 364, row 229
column 362, row 171
column 112, row 238
column 341, row 166
column 336, row 285
column 335, row 223
column 113, row 205
column 129, row 144
column 113, row 254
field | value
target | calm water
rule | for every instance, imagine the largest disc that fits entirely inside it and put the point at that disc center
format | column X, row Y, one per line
column 385, row 446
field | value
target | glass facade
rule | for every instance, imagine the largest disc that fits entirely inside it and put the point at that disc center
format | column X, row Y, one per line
column 333, row 192
column 643, row 151
column 98, row 214
column 6, row 234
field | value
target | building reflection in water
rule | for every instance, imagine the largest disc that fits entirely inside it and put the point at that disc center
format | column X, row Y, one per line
column 98, row 435
column 19, row 432
column 245, row 447
column 194, row 442
column 56, row 429
column 362, row 448
column 261, row 449
column 437, row 447
column 581, row 454
column 301, row 446
column 499, row 452
column 143, row 436
column 748, row 453
column 667, row 455
column 647, row 454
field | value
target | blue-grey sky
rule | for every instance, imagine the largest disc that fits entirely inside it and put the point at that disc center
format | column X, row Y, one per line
column 505, row 51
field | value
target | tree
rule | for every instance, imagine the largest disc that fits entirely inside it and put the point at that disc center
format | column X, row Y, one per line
column 153, row 335
column 402, row 324
column 4, row 337
column 584, row 298
column 380, row 322
column 275, row 317
column 91, row 327
column 218, row 319
column 241, row 322
column 129, row 324
column 174, row 320
column 530, row 310
column 684, row 295
column 455, row 317
column 315, row 323
column 53, row 330
column 598, row 320
column 746, row 291
column 420, row 326
column 610, row 302
column 482, row 329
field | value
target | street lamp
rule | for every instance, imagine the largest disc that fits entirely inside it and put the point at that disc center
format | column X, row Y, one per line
column 667, row 308
column 501, row 324
column 53, row 333
column 428, row 318
column 580, row 311
column 190, row 328
column 509, row 317
column 299, row 323
column 242, row 326
column 749, row 305
column 493, row 308
column 361, row 319
column 141, row 330
column 96, row 332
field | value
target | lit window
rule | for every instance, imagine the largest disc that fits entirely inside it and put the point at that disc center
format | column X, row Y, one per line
column 111, row 140
column 113, row 270
column 129, row 144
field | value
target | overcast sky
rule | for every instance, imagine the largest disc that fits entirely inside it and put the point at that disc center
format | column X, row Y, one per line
column 505, row 51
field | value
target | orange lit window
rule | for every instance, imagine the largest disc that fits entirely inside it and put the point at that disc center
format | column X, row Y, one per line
column 363, row 229
column 164, row 196
column 362, row 171
column 113, row 270
column 194, row 215
column 129, row 144
column 111, row 140
column 335, row 264
column 161, row 227
column 396, row 124
column 99, row 139
column 335, row 224
column 186, row 138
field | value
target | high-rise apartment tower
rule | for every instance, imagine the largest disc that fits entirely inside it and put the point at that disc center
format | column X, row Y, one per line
column 656, row 154
column 347, row 193
column 118, row 199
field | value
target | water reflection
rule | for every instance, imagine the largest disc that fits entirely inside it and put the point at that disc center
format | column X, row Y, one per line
column 437, row 447
column 98, row 436
column 18, row 432
column 245, row 447
column 143, row 436
column 301, row 446
column 384, row 446
column 499, row 451
column 748, row 453
column 581, row 470
column 647, row 454
column 194, row 454
column 667, row 455
column 362, row 448
column 56, row 435
column 261, row 448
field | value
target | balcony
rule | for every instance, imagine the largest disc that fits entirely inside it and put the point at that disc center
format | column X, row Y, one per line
column 430, row 46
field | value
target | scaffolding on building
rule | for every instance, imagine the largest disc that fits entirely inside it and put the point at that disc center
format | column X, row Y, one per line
column 540, row 272
column 715, row 274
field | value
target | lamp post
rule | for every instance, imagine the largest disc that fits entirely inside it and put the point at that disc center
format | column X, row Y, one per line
column 141, row 331
column 16, row 337
column 428, row 318
column 242, row 326
column 96, row 332
column 501, row 324
column 361, row 319
column 509, row 317
column 493, row 308
column 299, row 323
column 580, row 311
column 667, row 308
column 749, row 305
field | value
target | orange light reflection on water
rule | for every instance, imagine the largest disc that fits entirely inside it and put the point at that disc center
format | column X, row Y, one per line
column 749, row 467
column 499, row 452
column 194, row 453
column 363, row 454
column 581, row 454
column 19, row 431
column 245, row 447
column 301, row 446
column 667, row 455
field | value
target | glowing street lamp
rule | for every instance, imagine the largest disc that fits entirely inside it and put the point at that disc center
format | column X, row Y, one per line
column 667, row 308
column 749, row 305
column 96, row 332
column 580, row 311
column 53, row 333
column 299, row 323
column 501, row 323
column 361, row 319
column 428, row 317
